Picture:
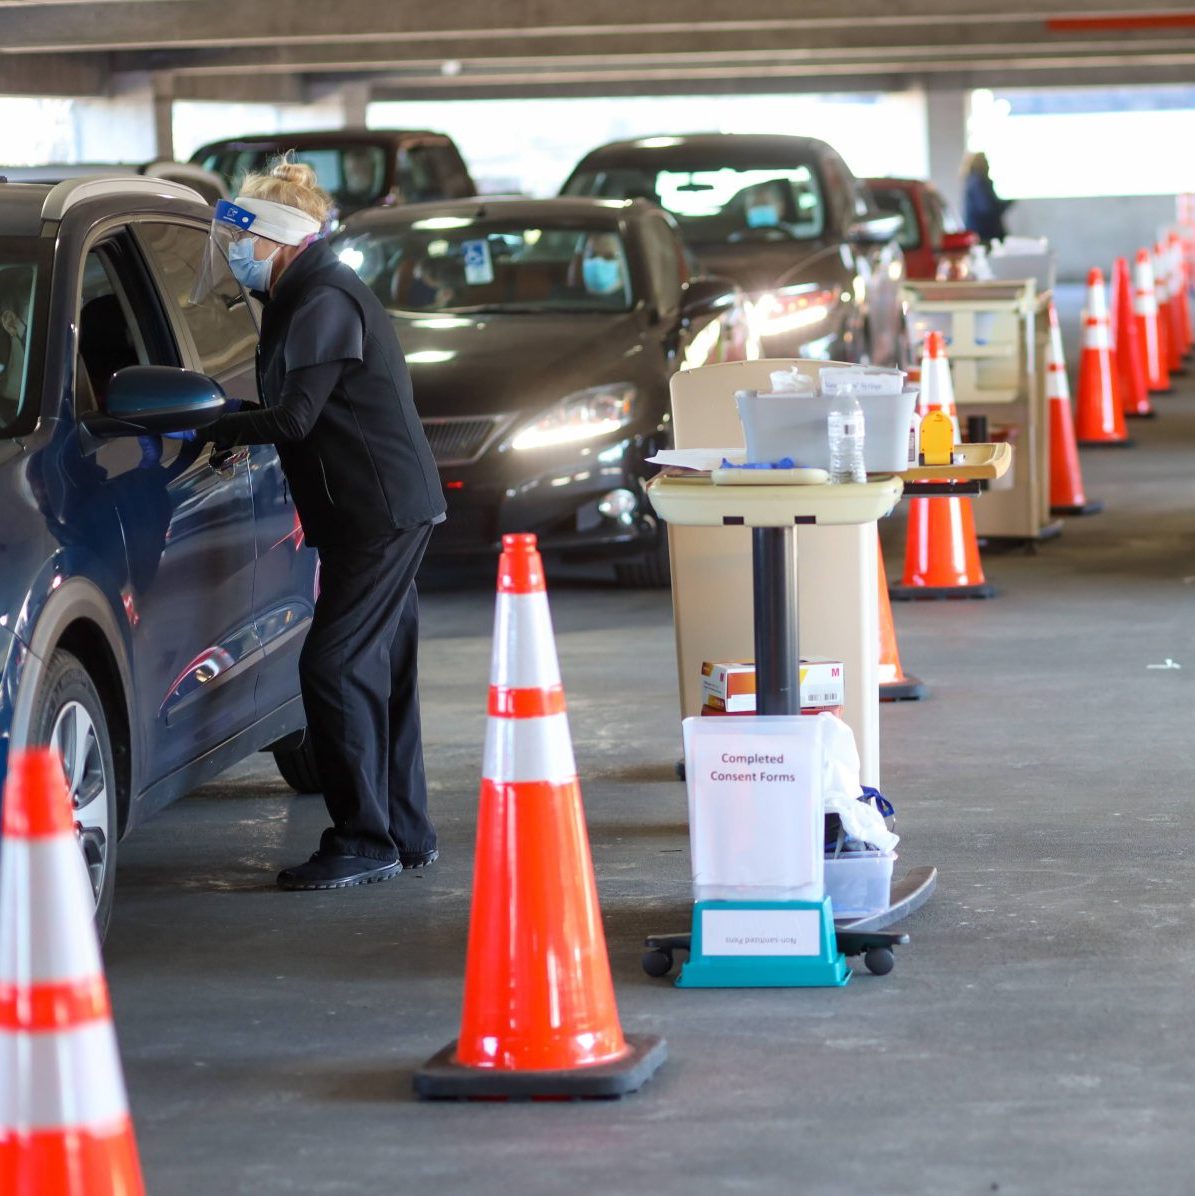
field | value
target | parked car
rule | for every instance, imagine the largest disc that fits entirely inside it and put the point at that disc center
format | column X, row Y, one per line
column 154, row 597
column 541, row 336
column 358, row 168
column 933, row 239
column 210, row 186
column 787, row 220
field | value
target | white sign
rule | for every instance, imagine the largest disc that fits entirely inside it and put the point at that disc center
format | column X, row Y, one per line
column 479, row 266
column 761, row 932
column 755, row 806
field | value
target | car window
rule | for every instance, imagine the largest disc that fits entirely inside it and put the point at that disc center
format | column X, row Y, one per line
column 665, row 265
column 354, row 175
column 221, row 326
column 716, row 203
column 119, row 324
column 897, row 201
column 434, row 264
column 18, row 285
column 432, row 171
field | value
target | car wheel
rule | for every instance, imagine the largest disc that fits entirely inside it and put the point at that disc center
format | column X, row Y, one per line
column 69, row 717
column 649, row 571
column 298, row 767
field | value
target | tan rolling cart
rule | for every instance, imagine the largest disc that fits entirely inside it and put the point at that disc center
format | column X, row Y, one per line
column 997, row 339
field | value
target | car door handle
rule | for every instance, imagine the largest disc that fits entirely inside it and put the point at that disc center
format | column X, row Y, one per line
column 225, row 463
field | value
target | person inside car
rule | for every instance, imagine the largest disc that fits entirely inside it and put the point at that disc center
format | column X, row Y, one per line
column 764, row 204
column 358, row 168
column 601, row 264
column 339, row 407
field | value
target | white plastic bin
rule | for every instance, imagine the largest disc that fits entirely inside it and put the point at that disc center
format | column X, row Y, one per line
column 792, row 425
column 756, row 825
column 859, row 883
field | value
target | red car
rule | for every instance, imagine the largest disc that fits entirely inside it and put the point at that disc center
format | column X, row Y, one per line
column 933, row 238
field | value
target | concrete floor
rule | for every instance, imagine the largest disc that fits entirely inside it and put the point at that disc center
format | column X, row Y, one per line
column 1035, row 1037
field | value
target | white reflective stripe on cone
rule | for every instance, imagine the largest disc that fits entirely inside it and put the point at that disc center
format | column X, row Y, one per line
column 1145, row 302
column 935, row 379
column 524, row 651
column 70, row 1079
column 529, row 749
column 1097, row 335
column 1056, row 365
column 1097, row 302
column 46, row 892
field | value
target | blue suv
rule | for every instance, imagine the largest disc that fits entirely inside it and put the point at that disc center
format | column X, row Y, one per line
column 153, row 597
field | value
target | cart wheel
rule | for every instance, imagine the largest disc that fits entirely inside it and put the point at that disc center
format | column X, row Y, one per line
column 879, row 960
column 657, row 962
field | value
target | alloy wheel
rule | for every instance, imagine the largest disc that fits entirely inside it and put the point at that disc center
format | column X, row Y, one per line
column 74, row 735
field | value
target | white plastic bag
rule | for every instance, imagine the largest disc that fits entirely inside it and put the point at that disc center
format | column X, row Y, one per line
column 841, row 788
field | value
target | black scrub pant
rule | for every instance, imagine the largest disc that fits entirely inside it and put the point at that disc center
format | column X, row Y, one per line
column 359, row 678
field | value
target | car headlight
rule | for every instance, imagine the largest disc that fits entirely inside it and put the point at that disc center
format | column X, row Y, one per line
column 778, row 313
column 585, row 415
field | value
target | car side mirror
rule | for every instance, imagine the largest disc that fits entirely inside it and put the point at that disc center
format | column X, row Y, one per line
column 155, row 399
column 877, row 229
column 958, row 242
column 706, row 295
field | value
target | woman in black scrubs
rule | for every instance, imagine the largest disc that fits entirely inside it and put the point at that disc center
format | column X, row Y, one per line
column 338, row 406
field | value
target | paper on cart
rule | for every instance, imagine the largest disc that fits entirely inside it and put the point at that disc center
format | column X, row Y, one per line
column 698, row 458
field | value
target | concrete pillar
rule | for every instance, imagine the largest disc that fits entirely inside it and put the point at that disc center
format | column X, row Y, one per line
column 354, row 101
column 946, row 128
column 163, row 100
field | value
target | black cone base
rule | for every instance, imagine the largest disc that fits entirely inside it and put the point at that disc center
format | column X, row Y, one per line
column 1107, row 443
column 1141, row 415
column 1088, row 508
column 907, row 689
column 441, row 1078
column 924, row 593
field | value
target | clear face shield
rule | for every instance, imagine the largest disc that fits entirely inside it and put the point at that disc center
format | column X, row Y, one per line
column 241, row 232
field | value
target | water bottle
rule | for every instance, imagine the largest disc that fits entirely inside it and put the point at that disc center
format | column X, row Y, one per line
column 845, row 428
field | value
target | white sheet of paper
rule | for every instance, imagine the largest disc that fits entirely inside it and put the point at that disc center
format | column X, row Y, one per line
column 700, row 458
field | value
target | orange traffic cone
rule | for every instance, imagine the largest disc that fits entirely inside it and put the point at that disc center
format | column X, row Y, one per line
column 1130, row 362
column 1149, row 326
column 1180, row 310
column 64, row 1119
column 1170, row 351
column 1099, row 418
column 1067, row 496
column 895, row 684
column 539, row 1018
column 941, row 550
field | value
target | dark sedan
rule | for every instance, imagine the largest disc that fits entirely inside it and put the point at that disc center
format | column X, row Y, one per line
column 541, row 336
column 787, row 220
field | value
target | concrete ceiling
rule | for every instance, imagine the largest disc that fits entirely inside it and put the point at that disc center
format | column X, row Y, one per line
column 290, row 50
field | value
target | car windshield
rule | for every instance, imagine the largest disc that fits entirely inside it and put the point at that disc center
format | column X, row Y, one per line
column 354, row 175
column 455, row 264
column 18, row 282
column 717, row 204
column 897, row 201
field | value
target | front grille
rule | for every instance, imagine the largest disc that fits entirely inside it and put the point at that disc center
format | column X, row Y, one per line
column 459, row 440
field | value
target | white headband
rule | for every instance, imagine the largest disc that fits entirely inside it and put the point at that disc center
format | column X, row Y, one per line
column 278, row 221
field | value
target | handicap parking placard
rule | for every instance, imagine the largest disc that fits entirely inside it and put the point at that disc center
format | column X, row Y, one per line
column 479, row 267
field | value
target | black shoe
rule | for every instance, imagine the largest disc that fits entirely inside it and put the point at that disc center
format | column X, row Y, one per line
column 325, row 871
column 418, row 859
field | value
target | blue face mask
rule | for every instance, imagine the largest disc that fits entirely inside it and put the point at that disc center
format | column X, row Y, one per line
column 762, row 215
column 251, row 272
column 602, row 275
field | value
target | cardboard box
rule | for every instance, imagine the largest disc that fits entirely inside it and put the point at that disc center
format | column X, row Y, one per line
column 729, row 688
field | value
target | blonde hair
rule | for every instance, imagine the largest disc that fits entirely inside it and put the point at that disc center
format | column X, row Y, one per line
column 291, row 183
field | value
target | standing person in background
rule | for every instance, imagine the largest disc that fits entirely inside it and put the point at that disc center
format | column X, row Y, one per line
column 983, row 209
column 338, row 405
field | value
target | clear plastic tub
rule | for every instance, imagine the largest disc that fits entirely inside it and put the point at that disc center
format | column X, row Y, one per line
column 792, row 425
column 859, row 883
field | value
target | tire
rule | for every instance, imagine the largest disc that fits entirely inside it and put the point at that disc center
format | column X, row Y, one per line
column 69, row 715
column 298, row 767
column 650, row 571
